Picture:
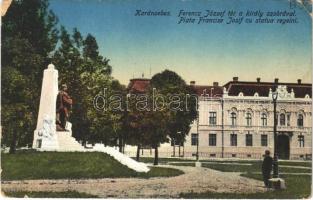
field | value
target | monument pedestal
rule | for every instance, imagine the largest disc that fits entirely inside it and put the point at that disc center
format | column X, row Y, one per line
column 67, row 142
column 198, row 164
column 277, row 183
column 46, row 144
column 45, row 137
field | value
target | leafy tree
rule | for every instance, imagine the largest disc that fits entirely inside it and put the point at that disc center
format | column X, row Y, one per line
column 148, row 126
column 136, row 125
column 174, row 120
column 87, row 73
column 91, row 49
column 29, row 37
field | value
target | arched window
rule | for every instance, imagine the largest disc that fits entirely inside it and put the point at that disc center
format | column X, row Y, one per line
column 233, row 118
column 301, row 140
column 282, row 119
column 249, row 119
column 300, row 120
column 264, row 119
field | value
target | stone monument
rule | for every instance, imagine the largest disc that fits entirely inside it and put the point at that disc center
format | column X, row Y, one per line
column 53, row 131
column 53, row 112
column 45, row 134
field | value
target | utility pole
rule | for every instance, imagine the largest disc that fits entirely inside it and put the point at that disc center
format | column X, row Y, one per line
column 222, row 127
column 197, row 156
column 275, row 161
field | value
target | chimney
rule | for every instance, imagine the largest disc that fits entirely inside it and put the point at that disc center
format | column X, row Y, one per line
column 235, row 79
column 299, row 81
column 192, row 82
column 258, row 79
column 215, row 84
column 276, row 80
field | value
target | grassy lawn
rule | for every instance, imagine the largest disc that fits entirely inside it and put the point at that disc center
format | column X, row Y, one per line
column 281, row 162
column 190, row 164
column 68, row 194
column 164, row 160
column 255, row 167
column 160, row 172
column 70, row 165
column 176, row 159
column 303, row 164
column 298, row 187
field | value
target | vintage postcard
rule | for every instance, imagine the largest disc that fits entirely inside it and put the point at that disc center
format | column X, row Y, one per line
column 200, row 99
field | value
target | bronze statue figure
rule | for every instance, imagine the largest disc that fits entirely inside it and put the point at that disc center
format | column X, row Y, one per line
column 64, row 105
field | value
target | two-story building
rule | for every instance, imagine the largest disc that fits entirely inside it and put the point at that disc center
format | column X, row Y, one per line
column 236, row 120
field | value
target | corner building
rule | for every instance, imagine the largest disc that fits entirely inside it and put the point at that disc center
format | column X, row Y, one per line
column 236, row 121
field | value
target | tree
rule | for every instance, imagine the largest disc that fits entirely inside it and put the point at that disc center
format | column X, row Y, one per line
column 87, row 74
column 29, row 36
column 91, row 49
column 174, row 120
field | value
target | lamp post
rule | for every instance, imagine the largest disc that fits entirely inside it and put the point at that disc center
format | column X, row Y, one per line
column 275, row 161
column 197, row 155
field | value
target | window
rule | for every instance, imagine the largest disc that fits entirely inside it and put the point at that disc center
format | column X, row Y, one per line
column 264, row 140
column 233, row 118
column 233, row 139
column 300, row 120
column 176, row 142
column 38, row 143
column 194, row 139
column 288, row 119
column 282, row 119
column 248, row 139
column 249, row 119
column 301, row 140
column 212, row 139
column 264, row 119
column 212, row 118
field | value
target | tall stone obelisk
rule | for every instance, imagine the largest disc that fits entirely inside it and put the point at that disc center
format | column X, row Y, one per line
column 45, row 137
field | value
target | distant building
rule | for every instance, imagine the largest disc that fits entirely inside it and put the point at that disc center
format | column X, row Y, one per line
column 236, row 121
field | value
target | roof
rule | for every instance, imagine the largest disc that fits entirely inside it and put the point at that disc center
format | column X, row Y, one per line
column 212, row 91
column 262, row 88
column 138, row 85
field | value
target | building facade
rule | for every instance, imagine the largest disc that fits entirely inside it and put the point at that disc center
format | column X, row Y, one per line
column 236, row 120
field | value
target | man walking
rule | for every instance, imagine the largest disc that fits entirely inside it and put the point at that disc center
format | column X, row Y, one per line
column 267, row 168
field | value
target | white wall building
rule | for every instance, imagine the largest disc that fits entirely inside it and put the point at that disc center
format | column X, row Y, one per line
column 236, row 121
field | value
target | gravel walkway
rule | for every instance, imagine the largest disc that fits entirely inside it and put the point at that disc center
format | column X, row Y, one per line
column 194, row 180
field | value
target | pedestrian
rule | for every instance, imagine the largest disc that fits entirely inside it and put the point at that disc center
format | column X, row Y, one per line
column 267, row 168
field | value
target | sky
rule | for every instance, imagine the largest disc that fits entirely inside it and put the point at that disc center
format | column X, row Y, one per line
column 204, row 53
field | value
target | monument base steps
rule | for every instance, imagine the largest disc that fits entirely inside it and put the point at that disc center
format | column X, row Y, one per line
column 46, row 138
column 67, row 142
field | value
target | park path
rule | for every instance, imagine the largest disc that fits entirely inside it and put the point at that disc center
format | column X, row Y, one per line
column 195, row 179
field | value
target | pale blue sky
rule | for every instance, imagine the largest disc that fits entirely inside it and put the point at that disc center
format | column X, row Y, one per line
column 205, row 52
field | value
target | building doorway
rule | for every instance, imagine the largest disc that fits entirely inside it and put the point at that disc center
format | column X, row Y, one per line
column 283, row 146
